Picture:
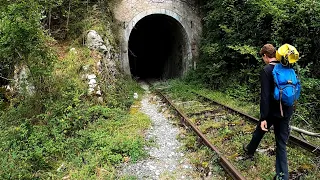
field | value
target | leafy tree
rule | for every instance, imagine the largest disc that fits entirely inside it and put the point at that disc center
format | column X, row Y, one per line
column 235, row 30
column 22, row 40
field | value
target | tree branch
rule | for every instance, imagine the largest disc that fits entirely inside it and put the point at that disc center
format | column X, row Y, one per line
column 305, row 132
column 303, row 137
column 302, row 118
column 6, row 78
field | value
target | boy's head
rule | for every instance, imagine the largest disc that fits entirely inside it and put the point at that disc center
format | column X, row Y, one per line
column 267, row 52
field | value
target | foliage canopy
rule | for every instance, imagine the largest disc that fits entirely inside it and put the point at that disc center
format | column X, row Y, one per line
column 235, row 30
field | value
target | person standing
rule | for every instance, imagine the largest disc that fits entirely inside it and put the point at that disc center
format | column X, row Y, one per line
column 270, row 114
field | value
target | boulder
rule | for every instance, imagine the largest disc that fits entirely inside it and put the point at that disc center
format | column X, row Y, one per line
column 95, row 42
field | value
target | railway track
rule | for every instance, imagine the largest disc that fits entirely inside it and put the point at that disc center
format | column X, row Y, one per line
column 293, row 139
column 228, row 167
column 203, row 134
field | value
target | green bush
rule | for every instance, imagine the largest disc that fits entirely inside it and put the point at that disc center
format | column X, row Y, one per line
column 23, row 41
column 60, row 130
column 67, row 126
column 233, row 33
column 308, row 107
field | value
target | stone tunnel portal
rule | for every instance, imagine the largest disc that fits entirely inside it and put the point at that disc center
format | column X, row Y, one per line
column 158, row 48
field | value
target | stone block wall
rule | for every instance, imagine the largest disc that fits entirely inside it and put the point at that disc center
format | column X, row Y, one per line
column 129, row 12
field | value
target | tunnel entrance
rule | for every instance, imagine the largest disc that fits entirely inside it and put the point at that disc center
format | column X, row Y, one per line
column 157, row 48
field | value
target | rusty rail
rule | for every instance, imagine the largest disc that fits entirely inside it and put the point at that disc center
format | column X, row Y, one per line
column 293, row 139
column 228, row 167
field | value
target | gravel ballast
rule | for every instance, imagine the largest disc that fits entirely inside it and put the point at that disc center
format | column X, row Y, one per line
column 165, row 158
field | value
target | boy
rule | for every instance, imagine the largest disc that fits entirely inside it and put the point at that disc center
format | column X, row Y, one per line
column 270, row 115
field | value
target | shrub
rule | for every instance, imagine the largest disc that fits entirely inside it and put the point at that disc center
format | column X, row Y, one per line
column 233, row 33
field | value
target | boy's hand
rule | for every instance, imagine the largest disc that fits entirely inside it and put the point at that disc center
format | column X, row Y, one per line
column 263, row 125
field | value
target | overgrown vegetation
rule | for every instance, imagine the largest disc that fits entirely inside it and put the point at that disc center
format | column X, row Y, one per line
column 234, row 31
column 23, row 42
column 58, row 130
column 204, row 161
column 228, row 132
column 72, row 131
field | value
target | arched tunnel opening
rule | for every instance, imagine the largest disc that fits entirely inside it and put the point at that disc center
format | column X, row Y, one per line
column 158, row 48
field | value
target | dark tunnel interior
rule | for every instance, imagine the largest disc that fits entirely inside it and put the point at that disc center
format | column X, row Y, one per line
column 157, row 47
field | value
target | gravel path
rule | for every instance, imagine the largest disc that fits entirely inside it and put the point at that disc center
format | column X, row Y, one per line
column 166, row 160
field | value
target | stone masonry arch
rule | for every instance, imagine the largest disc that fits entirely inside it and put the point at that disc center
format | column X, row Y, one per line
column 129, row 12
column 188, row 56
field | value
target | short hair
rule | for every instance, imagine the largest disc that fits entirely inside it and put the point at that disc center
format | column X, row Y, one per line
column 269, row 50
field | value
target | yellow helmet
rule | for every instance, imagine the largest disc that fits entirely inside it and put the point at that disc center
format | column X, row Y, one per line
column 287, row 52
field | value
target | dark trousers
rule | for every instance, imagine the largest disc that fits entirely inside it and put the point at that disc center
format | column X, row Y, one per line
column 281, row 131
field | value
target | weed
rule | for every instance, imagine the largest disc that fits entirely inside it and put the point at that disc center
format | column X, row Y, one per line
column 230, row 132
column 67, row 134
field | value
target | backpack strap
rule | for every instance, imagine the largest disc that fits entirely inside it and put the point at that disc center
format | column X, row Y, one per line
column 281, row 110
column 280, row 89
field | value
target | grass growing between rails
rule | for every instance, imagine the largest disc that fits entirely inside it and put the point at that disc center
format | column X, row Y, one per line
column 203, row 159
column 228, row 132
column 66, row 133
column 180, row 87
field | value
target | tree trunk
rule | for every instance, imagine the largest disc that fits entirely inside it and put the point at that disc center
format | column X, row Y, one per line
column 68, row 18
column 49, row 16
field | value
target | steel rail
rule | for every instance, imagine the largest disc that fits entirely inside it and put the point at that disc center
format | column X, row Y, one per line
column 228, row 167
column 293, row 139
